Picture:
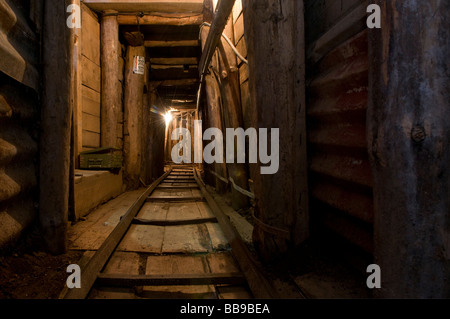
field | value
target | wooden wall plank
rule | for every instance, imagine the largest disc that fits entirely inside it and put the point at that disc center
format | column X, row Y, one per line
column 243, row 73
column 239, row 29
column 91, row 139
column 242, row 48
column 237, row 10
column 90, row 37
column 91, row 101
column 91, row 123
column 90, row 74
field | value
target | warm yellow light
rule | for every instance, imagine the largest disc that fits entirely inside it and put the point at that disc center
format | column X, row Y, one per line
column 168, row 117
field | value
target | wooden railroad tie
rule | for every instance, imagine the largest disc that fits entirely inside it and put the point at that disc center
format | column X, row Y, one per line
column 122, row 280
column 140, row 221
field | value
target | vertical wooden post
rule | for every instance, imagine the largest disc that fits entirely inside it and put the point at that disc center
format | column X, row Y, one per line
column 213, row 99
column 78, row 105
column 409, row 138
column 274, row 31
column 154, row 138
column 133, row 100
column 231, row 97
column 56, row 117
column 111, row 99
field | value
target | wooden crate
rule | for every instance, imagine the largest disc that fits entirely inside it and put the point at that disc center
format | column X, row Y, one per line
column 101, row 158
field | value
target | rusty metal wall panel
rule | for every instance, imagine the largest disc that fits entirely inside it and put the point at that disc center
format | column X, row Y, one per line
column 18, row 122
column 340, row 174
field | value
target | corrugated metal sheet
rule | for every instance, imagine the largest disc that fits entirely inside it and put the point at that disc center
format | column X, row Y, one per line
column 18, row 130
column 340, row 175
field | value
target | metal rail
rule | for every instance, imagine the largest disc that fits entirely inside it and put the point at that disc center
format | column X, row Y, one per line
column 251, row 275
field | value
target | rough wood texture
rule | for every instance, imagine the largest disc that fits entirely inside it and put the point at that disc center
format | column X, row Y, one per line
column 409, row 134
column 56, row 115
column 162, row 19
column 232, row 110
column 97, row 262
column 277, row 93
column 218, row 24
column 111, row 97
column 213, row 106
column 133, row 104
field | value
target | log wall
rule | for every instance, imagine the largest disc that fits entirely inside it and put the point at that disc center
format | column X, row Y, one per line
column 19, row 113
column 90, row 81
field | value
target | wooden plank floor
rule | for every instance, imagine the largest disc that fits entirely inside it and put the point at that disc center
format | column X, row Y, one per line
column 191, row 249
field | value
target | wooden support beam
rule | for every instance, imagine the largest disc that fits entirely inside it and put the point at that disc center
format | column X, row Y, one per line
column 133, row 105
column 228, row 72
column 408, row 137
column 178, row 19
column 277, row 93
column 111, row 102
column 56, row 119
column 90, row 272
column 120, row 280
column 212, row 105
column 169, row 44
column 167, row 6
column 222, row 14
column 171, row 61
column 165, row 32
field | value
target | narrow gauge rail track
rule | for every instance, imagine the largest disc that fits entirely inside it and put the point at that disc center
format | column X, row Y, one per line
column 214, row 262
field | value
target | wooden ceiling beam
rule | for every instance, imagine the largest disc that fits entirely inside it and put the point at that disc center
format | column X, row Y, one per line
column 169, row 44
column 167, row 6
column 173, row 83
column 174, row 61
column 176, row 19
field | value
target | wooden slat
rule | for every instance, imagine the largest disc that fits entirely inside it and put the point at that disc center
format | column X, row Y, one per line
column 237, row 10
column 91, row 123
column 90, row 101
column 91, row 139
column 175, row 199
column 140, row 221
column 90, row 37
column 96, row 263
column 90, row 74
column 119, row 280
column 242, row 48
column 239, row 28
column 243, row 73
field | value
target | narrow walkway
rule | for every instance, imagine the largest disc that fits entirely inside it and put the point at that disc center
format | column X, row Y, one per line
column 175, row 233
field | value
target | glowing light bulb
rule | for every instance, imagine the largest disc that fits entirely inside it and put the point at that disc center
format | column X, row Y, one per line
column 168, row 117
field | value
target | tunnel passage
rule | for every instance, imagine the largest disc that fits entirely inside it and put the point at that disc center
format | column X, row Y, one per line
column 87, row 113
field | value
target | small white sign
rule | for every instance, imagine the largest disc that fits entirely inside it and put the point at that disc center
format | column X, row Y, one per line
column 139, row 65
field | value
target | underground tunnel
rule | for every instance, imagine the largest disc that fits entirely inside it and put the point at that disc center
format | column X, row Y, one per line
column 224, row 149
